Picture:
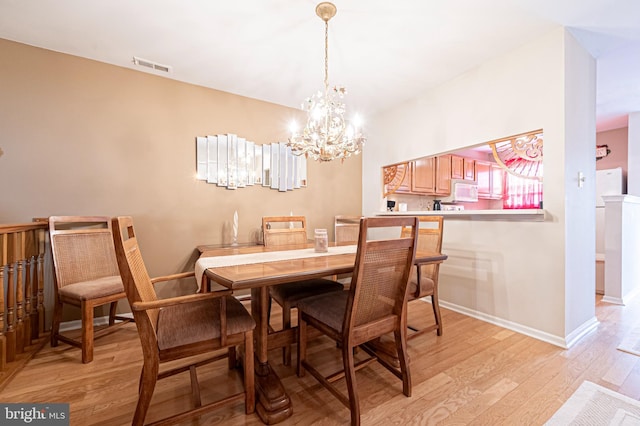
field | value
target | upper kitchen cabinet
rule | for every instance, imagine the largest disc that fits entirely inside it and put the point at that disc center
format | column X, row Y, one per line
column 443, row 175
column 424, row 176
column 457, row 167
column 406, row 183
column 497, row 181
column 490, row 178
column 469, row 169
column 397, row 178
column 431, row 175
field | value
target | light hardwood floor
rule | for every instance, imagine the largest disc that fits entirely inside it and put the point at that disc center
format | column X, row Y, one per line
column 476, row 373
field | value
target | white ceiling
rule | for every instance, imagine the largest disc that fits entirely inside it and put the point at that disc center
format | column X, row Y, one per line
column 384, row 52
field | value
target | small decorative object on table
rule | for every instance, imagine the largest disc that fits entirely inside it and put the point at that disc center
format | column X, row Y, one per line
column 235, row 229
column 321, row 241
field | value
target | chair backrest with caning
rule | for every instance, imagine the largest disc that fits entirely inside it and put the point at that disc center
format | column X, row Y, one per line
column 136, row 280
column 429, row 240
column 82, row 248
column 378, row 290
column 347, row 229
column 284, row 230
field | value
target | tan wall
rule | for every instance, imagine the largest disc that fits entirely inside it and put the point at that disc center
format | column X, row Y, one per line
column 618, row 141
column 84, row 137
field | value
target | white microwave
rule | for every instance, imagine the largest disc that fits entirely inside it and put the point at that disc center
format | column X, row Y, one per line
column 462, row 191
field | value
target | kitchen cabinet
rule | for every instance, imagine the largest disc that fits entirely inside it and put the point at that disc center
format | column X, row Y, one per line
column 424, row 176
column 397, row 178
column 483, row 177
column 432, row 176
column 457, row 167
column 469, row 168
column 405, row 186
column 497, row 181
column 443, row 175
column 490, row 178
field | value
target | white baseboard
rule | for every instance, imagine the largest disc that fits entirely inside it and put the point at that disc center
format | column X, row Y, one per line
column 621, row 301
column 614, row 300
column 564, row 343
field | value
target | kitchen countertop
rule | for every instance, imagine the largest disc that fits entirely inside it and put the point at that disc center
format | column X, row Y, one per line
column 506, row 215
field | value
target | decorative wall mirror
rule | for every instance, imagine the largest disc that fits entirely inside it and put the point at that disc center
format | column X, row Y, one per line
column 233, row 162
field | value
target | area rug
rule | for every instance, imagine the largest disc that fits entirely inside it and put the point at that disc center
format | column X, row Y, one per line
column 631, row 342
column 592, row 404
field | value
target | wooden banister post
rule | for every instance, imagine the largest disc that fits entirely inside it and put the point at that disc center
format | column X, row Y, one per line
column 26, row 261
column 19, row 262
column 42, row 235
column 3, row 339
column 32, row 253
column 11, row 300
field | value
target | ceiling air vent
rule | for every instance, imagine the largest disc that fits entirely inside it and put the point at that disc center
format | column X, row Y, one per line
column 150, row 64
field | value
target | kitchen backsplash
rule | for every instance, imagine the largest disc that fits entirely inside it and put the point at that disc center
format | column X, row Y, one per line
column 425, row 202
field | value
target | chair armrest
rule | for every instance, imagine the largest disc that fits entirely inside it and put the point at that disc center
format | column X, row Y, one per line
column 173, row 277
column 171, row 301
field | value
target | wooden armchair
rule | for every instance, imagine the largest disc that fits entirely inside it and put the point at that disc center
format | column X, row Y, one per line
column 424, row 278
column 181, row 327
column 287, row 295
column 86, row 275
column 375, row 305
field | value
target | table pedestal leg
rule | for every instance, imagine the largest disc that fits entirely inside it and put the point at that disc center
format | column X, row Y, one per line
column 273, row 405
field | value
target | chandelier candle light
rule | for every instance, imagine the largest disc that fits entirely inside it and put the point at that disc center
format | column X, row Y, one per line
column 327, row 135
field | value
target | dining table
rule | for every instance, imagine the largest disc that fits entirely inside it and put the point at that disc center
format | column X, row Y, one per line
column 256, row 268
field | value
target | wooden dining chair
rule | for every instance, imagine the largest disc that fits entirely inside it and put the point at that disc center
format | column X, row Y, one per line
column 424, row 278
column 375, row 305
column 346, row 229
column 181, row 327
column 284, row 230
column 86, row 276
column 288, row 295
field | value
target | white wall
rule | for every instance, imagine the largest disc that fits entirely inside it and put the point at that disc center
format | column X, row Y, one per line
column 633, row 171
column 579, row 143
column 512, row 273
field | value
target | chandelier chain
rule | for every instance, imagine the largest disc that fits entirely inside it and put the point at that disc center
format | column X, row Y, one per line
column 326, row 55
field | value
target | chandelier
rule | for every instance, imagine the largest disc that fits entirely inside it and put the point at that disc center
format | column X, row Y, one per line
column 327, row 135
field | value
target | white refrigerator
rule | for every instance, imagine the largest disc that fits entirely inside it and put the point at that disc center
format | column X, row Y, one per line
column 608, row 182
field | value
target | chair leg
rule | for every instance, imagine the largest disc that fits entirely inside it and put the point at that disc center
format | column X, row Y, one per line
column 87, row 332
column 112, row 313
column 350, row 377
column 249, row 375
column 286, row 324
column 302, row 345
column 195, row 386
column 232, row 357
column 55, row 325
column 436, row 311
column 148, row 379
column 401, row 347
